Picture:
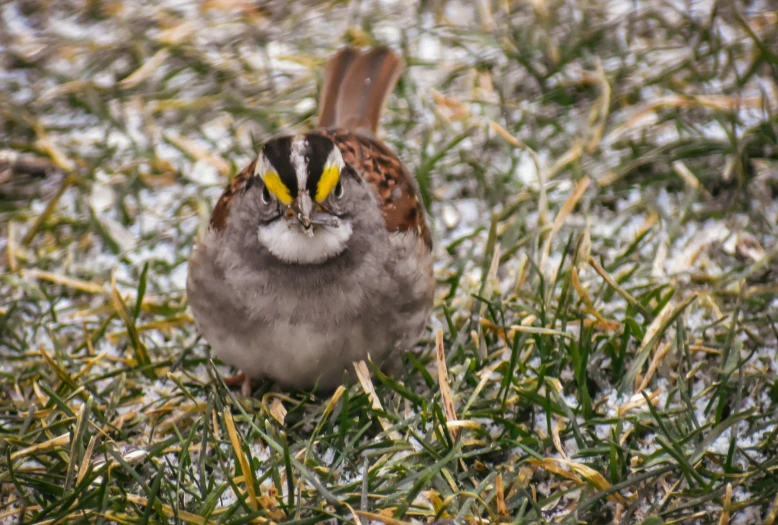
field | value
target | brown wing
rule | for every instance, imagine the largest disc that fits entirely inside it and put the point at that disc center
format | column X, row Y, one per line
column 222, row 209
column 397, row 191
column 356, row 87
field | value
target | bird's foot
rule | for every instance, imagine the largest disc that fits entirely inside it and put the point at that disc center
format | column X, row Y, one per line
column 243, row 381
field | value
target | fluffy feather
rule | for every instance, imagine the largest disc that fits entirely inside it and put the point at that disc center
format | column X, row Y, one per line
column 290, row 244
column 299, row 310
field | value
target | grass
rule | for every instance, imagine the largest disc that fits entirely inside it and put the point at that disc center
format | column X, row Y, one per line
column 602, row 178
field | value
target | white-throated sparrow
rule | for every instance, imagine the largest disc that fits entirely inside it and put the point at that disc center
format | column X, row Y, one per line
column 318, row 253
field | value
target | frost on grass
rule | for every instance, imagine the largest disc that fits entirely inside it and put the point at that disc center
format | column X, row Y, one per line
column 601, row 178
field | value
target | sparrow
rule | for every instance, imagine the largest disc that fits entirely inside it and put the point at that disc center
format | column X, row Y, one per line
column 318, row 253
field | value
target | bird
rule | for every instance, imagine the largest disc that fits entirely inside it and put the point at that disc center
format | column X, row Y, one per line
column 318, row 253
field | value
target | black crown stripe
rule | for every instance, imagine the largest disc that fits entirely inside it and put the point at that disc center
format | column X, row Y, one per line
column 279, row 152
column 319, row 148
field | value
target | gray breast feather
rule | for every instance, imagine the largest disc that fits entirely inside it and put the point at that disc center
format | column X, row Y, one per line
column 302, row 327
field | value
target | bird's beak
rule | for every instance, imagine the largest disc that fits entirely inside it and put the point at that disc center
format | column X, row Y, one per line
column 303, row 210
column 310, row 214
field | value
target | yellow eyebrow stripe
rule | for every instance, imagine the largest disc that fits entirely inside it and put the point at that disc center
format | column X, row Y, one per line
column 328, row 180
column 274, row 184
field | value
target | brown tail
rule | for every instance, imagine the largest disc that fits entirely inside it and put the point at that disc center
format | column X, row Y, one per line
column 356, row 86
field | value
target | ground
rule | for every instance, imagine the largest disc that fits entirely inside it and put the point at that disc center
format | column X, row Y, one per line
column 601, row 178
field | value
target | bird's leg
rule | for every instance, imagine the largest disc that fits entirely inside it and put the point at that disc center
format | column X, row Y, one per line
column 247, row 386
column 235, row 380
column 242, row 380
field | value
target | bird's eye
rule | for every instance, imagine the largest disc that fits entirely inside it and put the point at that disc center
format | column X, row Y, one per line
column 338, row 190
column 266, row 198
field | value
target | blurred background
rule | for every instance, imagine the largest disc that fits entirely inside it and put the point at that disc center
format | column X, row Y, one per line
column 602, row 181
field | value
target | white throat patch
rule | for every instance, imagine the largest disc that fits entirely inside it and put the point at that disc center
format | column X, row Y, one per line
column 291, row 245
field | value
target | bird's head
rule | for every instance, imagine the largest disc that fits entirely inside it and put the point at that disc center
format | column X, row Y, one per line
column 308, row 197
